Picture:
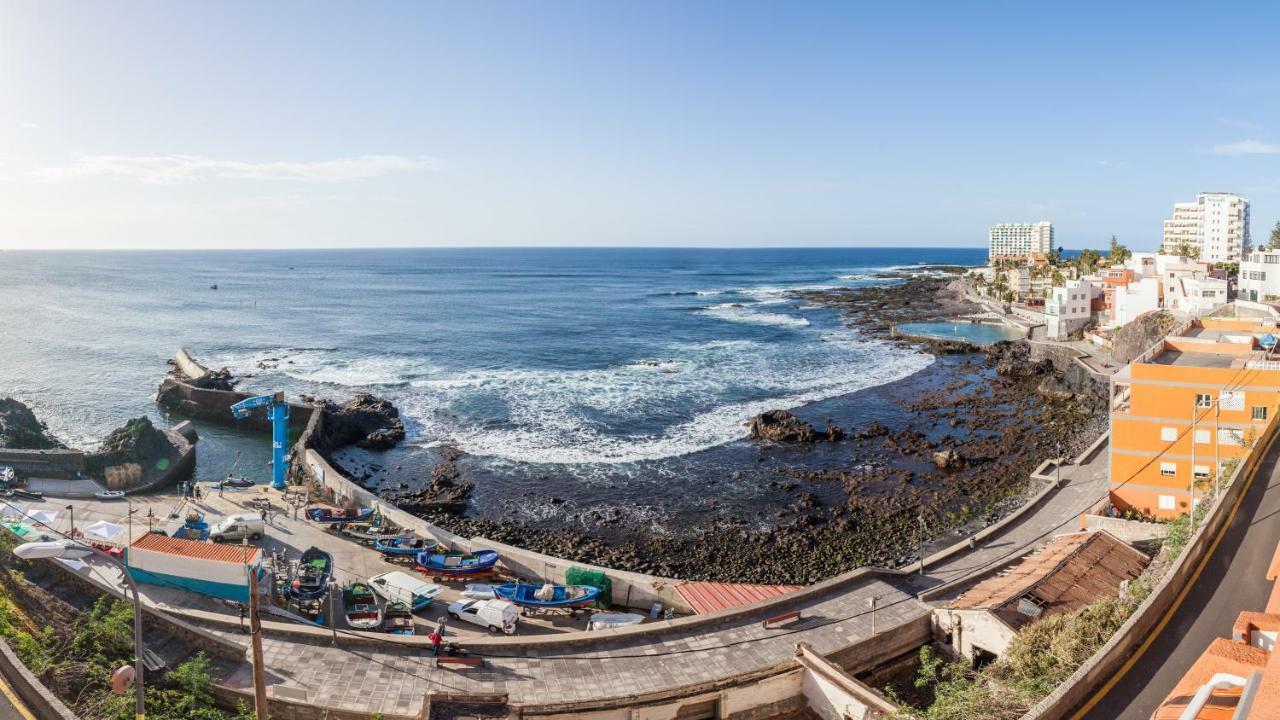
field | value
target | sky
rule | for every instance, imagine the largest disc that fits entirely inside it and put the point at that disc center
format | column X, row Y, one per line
column 320, row 124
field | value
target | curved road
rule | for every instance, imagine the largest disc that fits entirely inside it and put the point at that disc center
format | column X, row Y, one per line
column 1233, row 580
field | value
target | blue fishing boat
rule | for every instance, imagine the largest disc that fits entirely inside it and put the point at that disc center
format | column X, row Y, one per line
column 332, row 515
column 403, row 545
column 528, row 595
column 311, row 579
column 397, row 619
column 457, row 563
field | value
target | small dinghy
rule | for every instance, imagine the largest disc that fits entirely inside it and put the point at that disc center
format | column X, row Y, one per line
column 610, row 620
column 403, row 545
column 478, row 591
column 398, row 619
column 311, row 580
column 232, row 481
column 528, row 595
column 456, row 564
column 339, row 515
column 28, row 494
column 369, row 532
column 109, row 495
column 361, row 607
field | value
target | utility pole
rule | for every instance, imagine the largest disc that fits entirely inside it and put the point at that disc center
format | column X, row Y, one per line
column 255, row 633
column 1194, row 412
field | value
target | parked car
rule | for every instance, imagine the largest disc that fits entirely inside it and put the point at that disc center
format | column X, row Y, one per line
column 496, row 615
column 237, row 527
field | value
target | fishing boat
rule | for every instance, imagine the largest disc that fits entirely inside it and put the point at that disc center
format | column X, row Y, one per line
column 611, row 620
column 311, row 579
column 28, row 494
column 528, row 595
column 339, row 515
column 233, row 481
column 361, row 606
column 398, row 619
column 457, row 564
column 109, row 495
column 372, row 532
column 403, row 545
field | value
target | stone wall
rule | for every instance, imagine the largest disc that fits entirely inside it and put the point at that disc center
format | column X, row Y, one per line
column 283, row 709
column 1130, row 531
column 57, row 463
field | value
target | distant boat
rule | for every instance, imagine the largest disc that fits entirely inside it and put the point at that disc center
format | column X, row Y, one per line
column 28, row 494
column 109, row 494
column 360, row 606
column 213, row 286
column 528, row 595
column 457, row 564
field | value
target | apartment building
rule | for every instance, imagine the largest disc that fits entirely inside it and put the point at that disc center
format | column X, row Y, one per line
column 1070, row 308
column 1260, row 276
column 1185, row 409
column 1021, row 241
column 1216, row 225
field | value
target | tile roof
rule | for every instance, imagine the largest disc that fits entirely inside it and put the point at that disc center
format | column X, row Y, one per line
column 1068, row 573
column 707, row 597
column 1222, row 656
column 200, row 550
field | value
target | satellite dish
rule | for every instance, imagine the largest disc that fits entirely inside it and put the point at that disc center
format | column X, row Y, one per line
column 1267, row 341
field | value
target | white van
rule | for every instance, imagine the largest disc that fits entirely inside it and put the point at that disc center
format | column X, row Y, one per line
column 238, row 527
column 402, row 587
column 497, row 615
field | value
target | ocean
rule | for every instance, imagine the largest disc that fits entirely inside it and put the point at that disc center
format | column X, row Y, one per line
column 610, row 378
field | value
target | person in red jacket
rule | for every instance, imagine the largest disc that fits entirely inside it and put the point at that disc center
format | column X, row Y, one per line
column 436, row 638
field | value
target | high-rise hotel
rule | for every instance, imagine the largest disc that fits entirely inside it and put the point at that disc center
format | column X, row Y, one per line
column 1216, row 226
column 1022, row 241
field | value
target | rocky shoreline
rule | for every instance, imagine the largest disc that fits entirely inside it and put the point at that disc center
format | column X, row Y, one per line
column 978, row 424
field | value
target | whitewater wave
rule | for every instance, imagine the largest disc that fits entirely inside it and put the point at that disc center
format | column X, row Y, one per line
column 740, row 313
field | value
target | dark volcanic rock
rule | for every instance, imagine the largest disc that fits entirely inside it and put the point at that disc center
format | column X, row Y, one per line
column 780, row 426
column 1012, row 360
column 446, row 491
column 21, row 430
column 138, row 441
column 365, row 420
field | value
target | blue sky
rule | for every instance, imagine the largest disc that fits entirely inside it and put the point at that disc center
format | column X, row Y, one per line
column 229, row 124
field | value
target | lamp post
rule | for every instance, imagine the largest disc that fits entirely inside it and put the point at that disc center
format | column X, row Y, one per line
column 38, row 550
column 72, row 509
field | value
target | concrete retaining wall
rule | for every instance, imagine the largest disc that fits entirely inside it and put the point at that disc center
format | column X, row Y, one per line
column 1104, row 664
column 48, row 463
column 1131, row 531
column 284, row 709
column 38, row 698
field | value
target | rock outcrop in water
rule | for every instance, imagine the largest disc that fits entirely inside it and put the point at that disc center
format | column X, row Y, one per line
column 783, row 427
column 20, row 429
column 137, row 441
column 365, row 420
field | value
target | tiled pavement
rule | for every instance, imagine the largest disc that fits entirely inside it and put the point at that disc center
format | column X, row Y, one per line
column 394, row 678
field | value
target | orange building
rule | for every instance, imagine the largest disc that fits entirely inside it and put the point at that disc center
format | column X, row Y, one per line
column 1185, row 409
column 1237, row 677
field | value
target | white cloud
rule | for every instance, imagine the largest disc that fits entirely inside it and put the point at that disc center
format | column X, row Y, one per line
column 30, row 125
column 1247, row 147
column 176, row 169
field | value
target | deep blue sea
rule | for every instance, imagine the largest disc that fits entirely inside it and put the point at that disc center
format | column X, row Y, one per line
column 598, row 369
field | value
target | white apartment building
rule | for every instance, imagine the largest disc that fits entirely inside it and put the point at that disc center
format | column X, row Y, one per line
column 1260, row 276
column 1069, row 308
column 1138, row 297
column 1195, row 294
column 1216, row 224
column 1021, row 240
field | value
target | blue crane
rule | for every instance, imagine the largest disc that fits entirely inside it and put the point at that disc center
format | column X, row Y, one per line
column 278, row 414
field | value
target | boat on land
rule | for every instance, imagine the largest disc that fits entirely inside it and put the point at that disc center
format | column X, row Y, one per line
column 402, row 587
column 531, row 596
column 611, row 620
column 372, row 532
column 311, row 579
column 28, row 494
column 403, row 545
column 360, row 606
column 339, row 515
column 457, row 564
column 233, row 481
column 398, row 619
column 109, row 495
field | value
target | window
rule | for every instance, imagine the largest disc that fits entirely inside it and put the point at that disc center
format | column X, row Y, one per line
column 1259, row 412
column 1203, row 400
column 1202, row 437
column 1228, row 436
column 1168, row 434
column 1168, row 469
column 1271, row 259
column 1202, row 472
column 1167, row 502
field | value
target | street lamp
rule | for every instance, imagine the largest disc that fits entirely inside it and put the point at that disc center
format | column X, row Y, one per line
column 49, row 550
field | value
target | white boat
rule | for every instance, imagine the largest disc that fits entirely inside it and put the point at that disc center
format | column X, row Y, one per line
column 610, row 620
column 109, row 495
column 478, row 591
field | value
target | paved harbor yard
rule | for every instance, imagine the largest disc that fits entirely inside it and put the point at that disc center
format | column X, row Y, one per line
column 393, row 678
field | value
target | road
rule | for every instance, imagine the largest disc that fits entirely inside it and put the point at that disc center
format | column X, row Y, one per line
column 11, row 708
column 1233, row 580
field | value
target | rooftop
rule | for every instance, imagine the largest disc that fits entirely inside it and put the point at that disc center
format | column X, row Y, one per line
column 1203, row 359
column 200, row 550
column 1068, row 573
column 1222, row 656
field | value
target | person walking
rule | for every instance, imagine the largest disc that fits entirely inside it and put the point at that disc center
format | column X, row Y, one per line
column 436, row 638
